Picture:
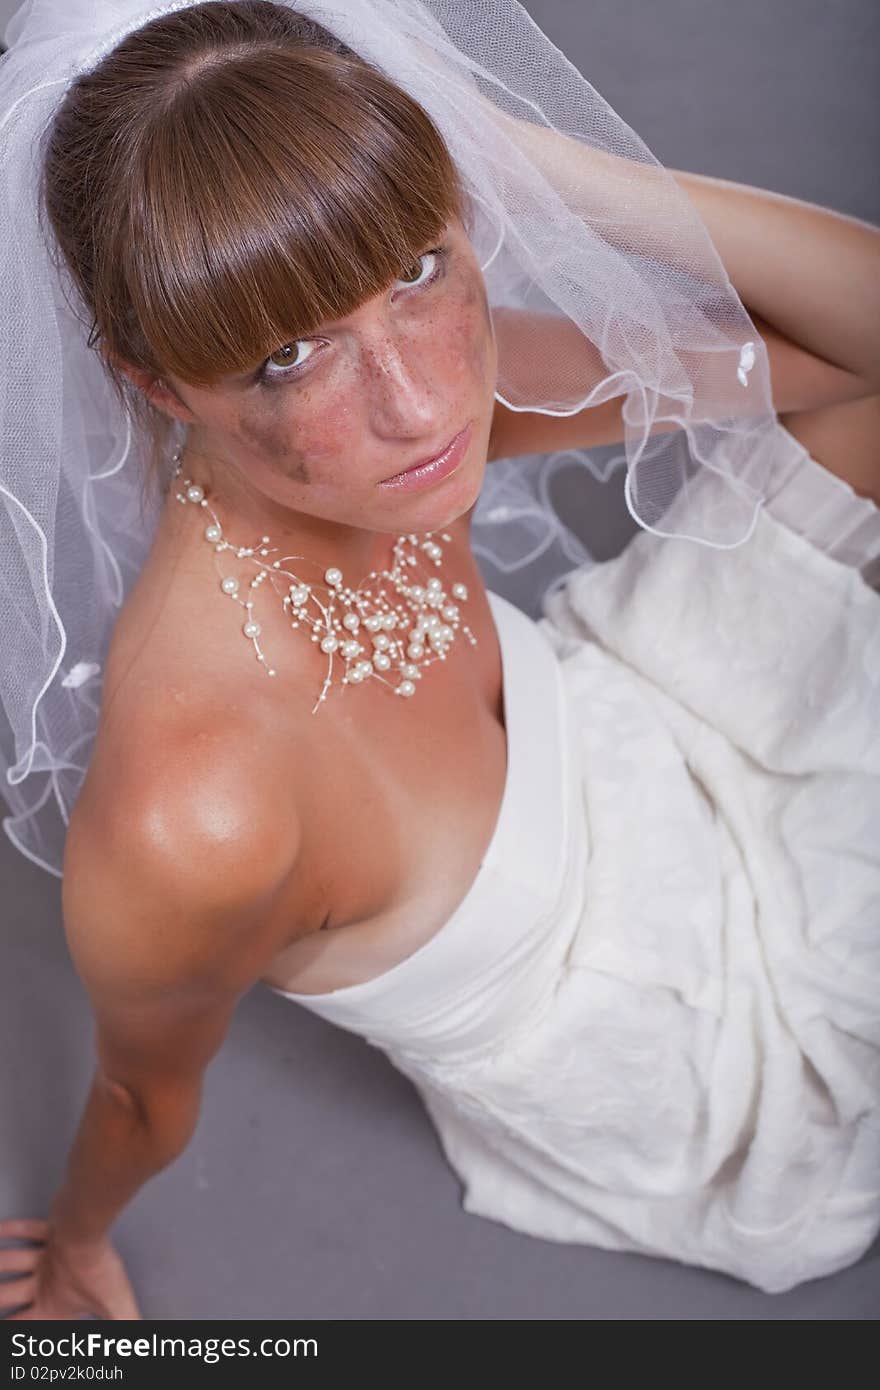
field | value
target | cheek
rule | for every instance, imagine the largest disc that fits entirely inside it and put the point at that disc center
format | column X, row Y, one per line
column 462, row 344
column 264, row 432
column 296, row 442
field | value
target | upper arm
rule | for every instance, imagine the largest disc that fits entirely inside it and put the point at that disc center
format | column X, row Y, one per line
column 799, row 381
column 166, row 893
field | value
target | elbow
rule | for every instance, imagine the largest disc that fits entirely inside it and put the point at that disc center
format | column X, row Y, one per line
column 121, row 1095
column 167, row 1118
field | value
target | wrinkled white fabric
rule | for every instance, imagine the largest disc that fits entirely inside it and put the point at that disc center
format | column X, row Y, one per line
column 653, row 1023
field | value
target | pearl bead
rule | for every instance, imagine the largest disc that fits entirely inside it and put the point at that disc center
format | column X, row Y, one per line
column 393, row 604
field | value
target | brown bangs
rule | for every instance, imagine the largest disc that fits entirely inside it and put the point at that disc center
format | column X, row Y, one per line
column 273, row 192
column 227, row 178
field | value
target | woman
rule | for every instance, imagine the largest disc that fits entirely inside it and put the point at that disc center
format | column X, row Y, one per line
column 707, row 1092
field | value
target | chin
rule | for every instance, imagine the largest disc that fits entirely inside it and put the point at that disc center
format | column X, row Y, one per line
column 442, row 505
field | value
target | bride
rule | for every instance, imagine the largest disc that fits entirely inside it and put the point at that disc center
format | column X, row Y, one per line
column 602, row 885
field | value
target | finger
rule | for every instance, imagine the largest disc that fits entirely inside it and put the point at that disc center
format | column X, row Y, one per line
column 18, row 1260
column 127, row 1309
column 17, row 1291
column 25, row 1227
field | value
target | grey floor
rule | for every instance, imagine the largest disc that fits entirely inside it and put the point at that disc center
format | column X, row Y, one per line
column 315, row 1185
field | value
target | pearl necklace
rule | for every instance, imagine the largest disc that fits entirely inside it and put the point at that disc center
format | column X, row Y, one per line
column 425, row 615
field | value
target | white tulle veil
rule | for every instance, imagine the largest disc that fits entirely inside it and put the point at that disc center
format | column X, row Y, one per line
column 575, row 218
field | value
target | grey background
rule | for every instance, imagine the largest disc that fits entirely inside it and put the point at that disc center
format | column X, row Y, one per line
column 315, row 1185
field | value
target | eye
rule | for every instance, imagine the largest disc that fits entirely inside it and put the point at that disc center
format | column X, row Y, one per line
column 286, row 358
column 289, row 363
column 436, row 254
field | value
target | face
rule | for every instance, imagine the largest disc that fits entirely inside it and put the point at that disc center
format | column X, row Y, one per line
column 304, row 440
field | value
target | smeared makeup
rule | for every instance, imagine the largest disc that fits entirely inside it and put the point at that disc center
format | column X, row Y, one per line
column 265, row 429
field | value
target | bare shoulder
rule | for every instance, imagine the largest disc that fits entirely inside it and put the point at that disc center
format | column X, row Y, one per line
column 173, row 861
column 183, row 850
column 178, row 844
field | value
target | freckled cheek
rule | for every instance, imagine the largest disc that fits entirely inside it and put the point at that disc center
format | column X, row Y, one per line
column 294, row 438
column 327, row 434
column 329, row 456
column 459, row 347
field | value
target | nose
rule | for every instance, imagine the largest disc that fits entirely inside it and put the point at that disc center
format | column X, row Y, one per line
column 403, row 400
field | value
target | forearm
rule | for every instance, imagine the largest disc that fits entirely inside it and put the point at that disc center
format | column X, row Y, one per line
column 115, row 1151
column 812, row 273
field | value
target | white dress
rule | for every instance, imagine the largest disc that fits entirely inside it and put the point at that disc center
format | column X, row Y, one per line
column 653, row 1023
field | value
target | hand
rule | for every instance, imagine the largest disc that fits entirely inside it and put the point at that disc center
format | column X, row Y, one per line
column 61, row 1281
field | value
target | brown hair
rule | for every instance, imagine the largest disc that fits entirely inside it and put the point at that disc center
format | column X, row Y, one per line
column 227, row 178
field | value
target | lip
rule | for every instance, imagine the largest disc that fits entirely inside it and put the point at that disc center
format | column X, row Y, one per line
column 432, row 470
